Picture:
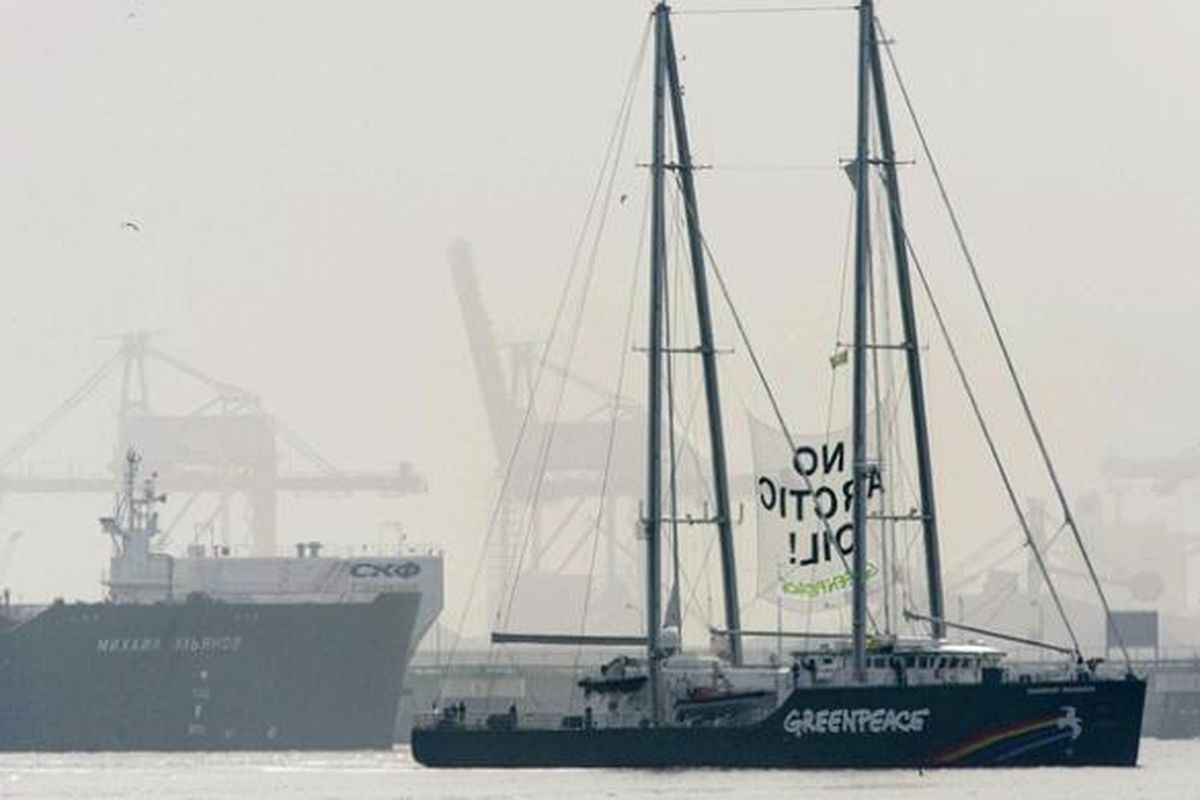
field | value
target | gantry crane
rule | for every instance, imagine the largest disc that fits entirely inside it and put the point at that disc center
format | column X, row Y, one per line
column 226, row 448
column 570, row 472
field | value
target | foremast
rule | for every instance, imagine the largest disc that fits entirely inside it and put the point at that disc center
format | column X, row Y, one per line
column 708, row 356
column 667, row 83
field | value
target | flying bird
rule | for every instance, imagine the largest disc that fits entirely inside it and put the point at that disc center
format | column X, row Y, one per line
column 133, row 226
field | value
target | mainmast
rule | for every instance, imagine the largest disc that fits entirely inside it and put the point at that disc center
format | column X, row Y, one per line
column 870, row 79
column 861, row 277
column 658, row 256
column 912, row 352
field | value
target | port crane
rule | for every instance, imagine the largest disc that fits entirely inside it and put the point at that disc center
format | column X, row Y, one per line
column 227, row 448
column 569, row 477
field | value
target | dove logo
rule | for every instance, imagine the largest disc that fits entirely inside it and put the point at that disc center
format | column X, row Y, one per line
column 1070, row 722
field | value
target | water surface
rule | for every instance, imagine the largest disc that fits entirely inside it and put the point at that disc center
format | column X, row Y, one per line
column 1168, row 770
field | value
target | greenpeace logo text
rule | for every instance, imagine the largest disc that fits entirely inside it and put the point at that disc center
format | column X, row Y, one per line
column 854, row 720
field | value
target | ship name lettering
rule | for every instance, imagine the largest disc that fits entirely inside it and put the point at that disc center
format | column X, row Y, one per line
column 129, row 644
column 854, row 720
column 207, row 644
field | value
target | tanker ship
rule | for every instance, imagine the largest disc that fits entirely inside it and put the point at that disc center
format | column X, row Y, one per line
column 216, row 652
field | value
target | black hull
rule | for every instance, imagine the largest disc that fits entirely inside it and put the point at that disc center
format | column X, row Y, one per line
column 215, row 676
column 1009, row 725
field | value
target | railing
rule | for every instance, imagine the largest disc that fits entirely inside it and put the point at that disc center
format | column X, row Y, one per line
column 455, row 718
column 528, row 720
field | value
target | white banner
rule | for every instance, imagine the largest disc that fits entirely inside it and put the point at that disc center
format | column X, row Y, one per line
column 803, row 499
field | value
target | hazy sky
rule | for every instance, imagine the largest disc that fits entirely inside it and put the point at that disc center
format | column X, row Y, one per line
column 298, row 170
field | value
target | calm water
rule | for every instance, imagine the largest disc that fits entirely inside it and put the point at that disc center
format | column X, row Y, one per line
column 1169, row 770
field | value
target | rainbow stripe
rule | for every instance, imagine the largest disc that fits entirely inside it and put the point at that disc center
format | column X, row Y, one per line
column 999, row 735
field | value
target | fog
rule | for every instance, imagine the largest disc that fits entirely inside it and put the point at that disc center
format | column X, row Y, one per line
column 295, row 173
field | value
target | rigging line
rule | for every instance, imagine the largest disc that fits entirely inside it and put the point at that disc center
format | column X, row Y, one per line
column 673, row 462
column 684, row 430
column 589, row 274
column 608, row 173
column 900, row 466
column 704, row 488
column 875, row 276
column 694, row 587
column 1109, row 564
column 1054, row 537
column 499, row 505
column 761, row 373
column 837, row 328
column 897, row 471
column 1012, row 371
column 703, row 580
column 906, row 592
column 612, row 429
column 775, row 167
column 770, row 393
column 991, row 444
column 693, row 596
column 704, row 485
column 678, row 573
column 887, row 507
column 708, row 12
column 561, row 528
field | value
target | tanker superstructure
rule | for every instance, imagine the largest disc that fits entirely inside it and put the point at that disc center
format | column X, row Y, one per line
column 216, row 652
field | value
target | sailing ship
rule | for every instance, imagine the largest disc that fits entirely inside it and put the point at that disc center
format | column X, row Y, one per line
column 852, row 701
